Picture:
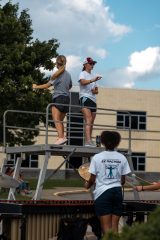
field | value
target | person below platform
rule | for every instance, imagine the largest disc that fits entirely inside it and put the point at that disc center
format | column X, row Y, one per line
column 108, row 169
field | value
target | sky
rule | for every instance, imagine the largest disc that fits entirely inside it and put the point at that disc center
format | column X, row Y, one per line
column 123, row 36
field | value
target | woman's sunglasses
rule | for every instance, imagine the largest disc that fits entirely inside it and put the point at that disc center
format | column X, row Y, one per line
column 92, row 64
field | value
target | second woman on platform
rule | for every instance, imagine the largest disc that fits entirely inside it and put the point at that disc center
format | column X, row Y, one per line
column 88, row 91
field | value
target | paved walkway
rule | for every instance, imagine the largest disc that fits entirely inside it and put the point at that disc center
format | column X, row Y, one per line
column 66, row 193
column 72, row 193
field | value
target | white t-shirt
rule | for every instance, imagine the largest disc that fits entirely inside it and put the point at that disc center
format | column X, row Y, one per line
column 86, row 90
column 108, row 166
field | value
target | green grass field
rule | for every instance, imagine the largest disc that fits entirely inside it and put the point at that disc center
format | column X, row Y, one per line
column 51, row 183
column 48, row 184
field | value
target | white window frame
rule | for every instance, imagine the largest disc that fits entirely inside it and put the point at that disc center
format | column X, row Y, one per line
column 139, row 164
column 129, row 118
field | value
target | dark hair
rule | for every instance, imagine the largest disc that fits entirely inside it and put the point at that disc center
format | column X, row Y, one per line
column 84, row 68
column 110, row 139
column 9, row 171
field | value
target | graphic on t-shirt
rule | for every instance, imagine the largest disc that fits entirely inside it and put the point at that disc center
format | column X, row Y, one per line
column 111, row 171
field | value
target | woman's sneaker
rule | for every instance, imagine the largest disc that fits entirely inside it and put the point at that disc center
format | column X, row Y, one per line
column 90, row 144
column 61, row 141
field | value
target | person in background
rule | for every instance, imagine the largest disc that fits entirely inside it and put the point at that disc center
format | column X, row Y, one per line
column 108, row 170
column 9, row 171
column 22, row 188
column 62, row 82
column 151, row 187
column 88, row 91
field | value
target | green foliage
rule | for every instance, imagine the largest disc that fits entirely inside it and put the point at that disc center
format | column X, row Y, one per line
column 141, row 231
column 20, row 61
column 111, row 236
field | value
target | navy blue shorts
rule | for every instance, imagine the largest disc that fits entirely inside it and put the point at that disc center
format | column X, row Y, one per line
column 61, row 100
column 109, row 202
column 88, row 103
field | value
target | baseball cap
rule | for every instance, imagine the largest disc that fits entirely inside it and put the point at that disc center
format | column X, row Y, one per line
column 89, row 60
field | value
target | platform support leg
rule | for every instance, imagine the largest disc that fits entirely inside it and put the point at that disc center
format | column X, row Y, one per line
column 11, row 195
column 3, row 168
column 41, row 178
column 136, row 194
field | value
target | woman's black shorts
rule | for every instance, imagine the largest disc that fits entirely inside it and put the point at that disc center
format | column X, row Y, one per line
column 62, row 100
column 109, row 202
column 88, row 103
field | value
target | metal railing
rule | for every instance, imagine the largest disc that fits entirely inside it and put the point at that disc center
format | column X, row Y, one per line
column 106, row 117
column 75, row 128
column 78, row 127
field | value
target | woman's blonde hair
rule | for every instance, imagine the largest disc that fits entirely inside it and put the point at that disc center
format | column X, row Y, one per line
column 61, row 60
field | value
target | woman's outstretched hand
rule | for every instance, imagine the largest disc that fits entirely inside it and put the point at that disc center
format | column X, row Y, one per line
column 98, row 77
column 34, row 86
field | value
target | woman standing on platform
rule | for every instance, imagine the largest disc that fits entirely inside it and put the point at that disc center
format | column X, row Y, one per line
column 108, row 170
column 62, row 82
column 88, row 91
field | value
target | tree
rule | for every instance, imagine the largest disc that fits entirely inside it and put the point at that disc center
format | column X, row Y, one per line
column 20, row 61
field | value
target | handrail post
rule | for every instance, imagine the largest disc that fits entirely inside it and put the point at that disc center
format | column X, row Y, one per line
column 47, row 120
column 129, row 142
column 4, row 128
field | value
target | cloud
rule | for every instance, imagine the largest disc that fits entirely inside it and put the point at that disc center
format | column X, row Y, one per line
column 100, row 52
column 145, row 62
column 73, row 62
column 143, row 66
column 81, row 26
column 119, row 78
column 76, row 24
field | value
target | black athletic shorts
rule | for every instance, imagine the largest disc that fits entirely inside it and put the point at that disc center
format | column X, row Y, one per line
column 88, row 103
column 61, row 100
column 109, row 202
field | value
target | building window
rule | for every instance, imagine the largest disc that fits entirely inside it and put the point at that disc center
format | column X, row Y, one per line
column 11, row 159
column 135, row 120
column 138, row 160
column 31, row 161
